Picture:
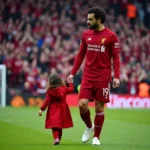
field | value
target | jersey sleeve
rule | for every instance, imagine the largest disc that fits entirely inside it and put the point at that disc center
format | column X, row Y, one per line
column 46, row 101
column 115, row 51
column 80, row 56
column 70, row 89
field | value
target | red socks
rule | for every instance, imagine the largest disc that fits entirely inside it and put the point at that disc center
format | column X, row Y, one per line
column 57, row 133
column 86, row 118
column 98, row 122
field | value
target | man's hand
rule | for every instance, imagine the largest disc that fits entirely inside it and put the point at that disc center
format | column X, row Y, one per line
column 116, row 83
column 70, row 78
column 40, row 112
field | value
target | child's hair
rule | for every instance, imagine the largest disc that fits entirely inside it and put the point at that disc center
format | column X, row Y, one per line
column 54, row 81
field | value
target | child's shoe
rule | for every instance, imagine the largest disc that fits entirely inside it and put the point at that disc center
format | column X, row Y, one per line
column 56, row 142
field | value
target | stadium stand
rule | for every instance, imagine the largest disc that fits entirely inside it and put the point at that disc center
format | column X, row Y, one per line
column 43, row 36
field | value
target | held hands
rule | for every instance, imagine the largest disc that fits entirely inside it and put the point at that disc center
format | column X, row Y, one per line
column 40, row 112
column 116, row 83
column 70, row 78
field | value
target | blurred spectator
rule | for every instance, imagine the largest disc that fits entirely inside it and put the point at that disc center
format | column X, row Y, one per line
column 116, row 6
column 144, row 90
column 131, row 13
column 133, row 85
column 147, row 16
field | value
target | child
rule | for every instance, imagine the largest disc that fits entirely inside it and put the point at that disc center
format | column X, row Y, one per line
column 58, row 114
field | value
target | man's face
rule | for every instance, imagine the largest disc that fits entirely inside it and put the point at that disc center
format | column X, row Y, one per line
column 92, row 22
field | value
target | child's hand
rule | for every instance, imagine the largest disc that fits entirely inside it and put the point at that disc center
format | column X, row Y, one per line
column 40, row 112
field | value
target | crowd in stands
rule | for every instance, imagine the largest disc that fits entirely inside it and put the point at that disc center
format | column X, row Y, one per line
column 38, row 37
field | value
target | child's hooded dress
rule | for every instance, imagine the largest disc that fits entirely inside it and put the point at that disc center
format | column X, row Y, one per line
column 58, row 113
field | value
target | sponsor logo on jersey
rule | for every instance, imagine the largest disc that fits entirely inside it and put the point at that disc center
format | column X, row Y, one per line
column 97, row 48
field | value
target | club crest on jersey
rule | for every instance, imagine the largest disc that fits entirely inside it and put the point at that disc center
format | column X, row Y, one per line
column 103, row 40
column 102, row 48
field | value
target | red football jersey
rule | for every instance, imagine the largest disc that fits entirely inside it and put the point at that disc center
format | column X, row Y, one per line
column 99, row 48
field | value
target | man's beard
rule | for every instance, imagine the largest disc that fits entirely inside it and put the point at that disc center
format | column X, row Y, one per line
column 93, row 27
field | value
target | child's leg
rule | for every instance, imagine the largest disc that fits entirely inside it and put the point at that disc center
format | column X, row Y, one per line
column 55, row 132
column 60, row 134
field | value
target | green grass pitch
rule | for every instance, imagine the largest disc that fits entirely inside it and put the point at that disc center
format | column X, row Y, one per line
column 124, row 129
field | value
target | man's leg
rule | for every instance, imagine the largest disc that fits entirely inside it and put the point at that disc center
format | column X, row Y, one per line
column 85, row 115
column 84, row 112
column 98, row 122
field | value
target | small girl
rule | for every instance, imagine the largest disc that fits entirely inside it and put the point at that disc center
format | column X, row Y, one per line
column 58, row 114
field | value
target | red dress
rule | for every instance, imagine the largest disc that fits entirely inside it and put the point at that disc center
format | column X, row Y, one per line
column 58, row 113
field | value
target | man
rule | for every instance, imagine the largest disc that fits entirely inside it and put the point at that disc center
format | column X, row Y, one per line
column 99, row 45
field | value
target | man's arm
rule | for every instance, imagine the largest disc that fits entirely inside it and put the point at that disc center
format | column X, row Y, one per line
column 116, row 60
column 78, row 60
column 80, row 57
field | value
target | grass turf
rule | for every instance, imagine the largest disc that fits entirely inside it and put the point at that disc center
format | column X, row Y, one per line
column 124, row 129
